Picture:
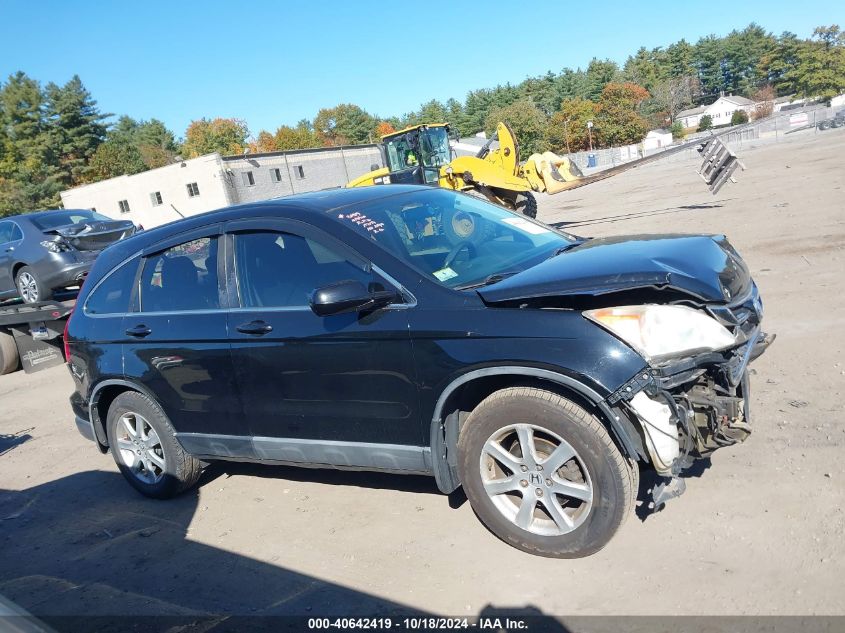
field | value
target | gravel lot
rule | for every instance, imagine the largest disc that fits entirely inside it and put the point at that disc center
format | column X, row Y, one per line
column 759, row 531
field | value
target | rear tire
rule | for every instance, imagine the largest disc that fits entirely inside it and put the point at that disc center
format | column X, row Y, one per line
column 144, row 446
column 30, row 287
column 565, row 510
column 9, row 358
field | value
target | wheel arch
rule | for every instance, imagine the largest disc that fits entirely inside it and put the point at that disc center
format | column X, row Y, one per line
column 466, row 391
column 102, row 397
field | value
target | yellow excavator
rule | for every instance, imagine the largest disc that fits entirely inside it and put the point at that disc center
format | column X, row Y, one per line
column 421, row 155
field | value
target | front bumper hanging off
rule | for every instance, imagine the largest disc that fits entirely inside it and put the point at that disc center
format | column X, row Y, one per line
column 688, row 408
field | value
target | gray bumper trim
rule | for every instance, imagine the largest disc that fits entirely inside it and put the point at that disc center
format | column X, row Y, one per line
column 85, row 428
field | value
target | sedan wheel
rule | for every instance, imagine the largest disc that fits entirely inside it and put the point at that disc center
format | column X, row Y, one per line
column 28, row 287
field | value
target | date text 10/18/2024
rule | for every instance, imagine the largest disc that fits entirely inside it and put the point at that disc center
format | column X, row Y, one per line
column 418, row 624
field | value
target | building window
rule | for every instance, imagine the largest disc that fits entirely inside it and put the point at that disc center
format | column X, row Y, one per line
column 298, row 172
column 155, row 198
column 193, row 190
column 124, row 206
column 248, row 179
column 276, row 174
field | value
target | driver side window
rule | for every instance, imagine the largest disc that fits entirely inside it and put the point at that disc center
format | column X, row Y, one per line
column 281, row 270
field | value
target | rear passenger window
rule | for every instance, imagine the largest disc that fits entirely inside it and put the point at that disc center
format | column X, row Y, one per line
column 113, row 294
column 281, row 270
column 184, row 277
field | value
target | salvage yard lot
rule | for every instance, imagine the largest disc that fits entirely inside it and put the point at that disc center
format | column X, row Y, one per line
column 759, row 531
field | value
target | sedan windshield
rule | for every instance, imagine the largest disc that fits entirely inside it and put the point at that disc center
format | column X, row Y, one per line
column 455, row 239
column 57, row 219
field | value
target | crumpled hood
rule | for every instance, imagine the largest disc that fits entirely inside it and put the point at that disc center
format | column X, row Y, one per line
column 704, row 266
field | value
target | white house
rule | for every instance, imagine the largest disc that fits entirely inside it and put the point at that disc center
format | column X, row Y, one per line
column 657, row 139
column 720, row 111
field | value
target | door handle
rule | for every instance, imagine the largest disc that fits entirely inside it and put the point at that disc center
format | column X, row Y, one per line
column 255, row 327
column 139, row 331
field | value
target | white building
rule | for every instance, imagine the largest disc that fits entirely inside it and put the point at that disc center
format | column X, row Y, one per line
column 213, row 181
column 720, row 111
column 657, row 139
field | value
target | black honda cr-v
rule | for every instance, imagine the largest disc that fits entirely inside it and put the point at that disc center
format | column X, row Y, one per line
column 418, row 330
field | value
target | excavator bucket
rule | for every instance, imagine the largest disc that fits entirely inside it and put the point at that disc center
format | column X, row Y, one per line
column 719, row 164
column 551, row 173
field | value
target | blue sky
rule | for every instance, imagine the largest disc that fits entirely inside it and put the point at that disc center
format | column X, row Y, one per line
column 273, row 63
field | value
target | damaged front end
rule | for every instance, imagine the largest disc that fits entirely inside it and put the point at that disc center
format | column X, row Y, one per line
column 689, row 406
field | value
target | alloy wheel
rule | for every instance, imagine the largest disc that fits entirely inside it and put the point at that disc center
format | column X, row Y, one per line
column 536, row 479
column 28, row 287
column 140, row 448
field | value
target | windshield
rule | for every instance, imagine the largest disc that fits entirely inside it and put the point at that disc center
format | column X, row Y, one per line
column 453, row 238
column 64, row 218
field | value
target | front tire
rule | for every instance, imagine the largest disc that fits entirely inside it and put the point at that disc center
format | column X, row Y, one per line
column 543, row 474
column 144, row 446
column 30, row 287
column 526, row 204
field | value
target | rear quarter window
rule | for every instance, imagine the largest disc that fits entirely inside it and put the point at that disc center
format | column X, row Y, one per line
column 113, row 294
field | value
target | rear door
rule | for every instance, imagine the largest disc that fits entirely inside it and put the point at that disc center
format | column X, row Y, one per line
column 347, row 380
column 7, row 253
column 176, row 342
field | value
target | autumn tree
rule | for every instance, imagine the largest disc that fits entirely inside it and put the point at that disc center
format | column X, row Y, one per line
column 224, row 136
column 384, row 128
column 618, row 121
column 527, row 122
column 567, row 129
column 264, row 142
column 764, row 102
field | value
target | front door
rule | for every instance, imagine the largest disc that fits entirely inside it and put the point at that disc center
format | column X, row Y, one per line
column 176, row 343
column 346, row 380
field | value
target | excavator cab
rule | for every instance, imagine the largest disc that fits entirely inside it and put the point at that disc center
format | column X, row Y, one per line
column 416, row 154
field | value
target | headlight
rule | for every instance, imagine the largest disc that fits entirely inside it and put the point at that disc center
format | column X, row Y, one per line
column 657, row 330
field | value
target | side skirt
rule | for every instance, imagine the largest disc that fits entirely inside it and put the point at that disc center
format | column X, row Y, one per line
column 393, row 458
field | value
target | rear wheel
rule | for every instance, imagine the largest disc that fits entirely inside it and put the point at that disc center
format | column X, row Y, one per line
column 543, row 474
column 30, row 287
column 144, row 446
column 9, row 358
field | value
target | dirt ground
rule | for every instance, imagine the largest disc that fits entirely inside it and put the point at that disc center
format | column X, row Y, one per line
column 760, row 530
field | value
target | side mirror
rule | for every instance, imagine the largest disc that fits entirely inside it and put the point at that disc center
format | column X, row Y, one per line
column 348, row 296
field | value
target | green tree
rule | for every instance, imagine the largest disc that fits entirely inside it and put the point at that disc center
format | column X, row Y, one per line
column 77, row 126
column 705, row 123
column 206, row 136
column 680, row 59
column 646, row 68
column 29, row 155
column 115, row 158
column 820, row 68
column 527, row 122
column 345, row 124
column 567, row 131
column 599, row 74
column 677, row 130
column 618, row 121
column 739, row 117
column 300, row 137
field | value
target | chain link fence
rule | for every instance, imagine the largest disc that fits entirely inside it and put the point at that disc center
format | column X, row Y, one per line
column 774, row 128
